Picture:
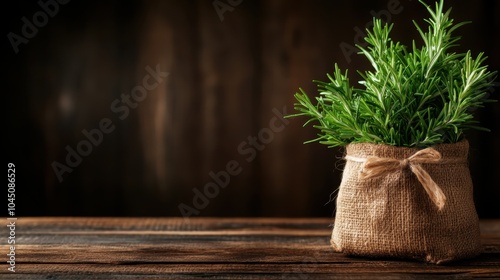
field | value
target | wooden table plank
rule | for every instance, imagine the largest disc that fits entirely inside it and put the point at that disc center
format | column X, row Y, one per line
column 220, row 248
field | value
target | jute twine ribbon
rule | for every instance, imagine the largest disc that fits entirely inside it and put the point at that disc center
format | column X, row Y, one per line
column 377, row 166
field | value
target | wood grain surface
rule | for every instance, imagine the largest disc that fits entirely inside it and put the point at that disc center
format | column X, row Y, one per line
column 218, row 248
column 226, row 76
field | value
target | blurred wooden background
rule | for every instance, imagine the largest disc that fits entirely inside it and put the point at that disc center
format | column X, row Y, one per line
column 229, row 67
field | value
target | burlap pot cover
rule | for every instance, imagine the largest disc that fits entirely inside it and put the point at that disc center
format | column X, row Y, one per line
column 407, row 203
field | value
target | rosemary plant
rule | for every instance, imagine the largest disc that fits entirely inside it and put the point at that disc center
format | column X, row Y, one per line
column 415, row 97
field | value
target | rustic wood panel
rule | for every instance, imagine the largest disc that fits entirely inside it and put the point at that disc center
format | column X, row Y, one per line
column 222, row 248
column 226, row 77
column 229, row 82
column 290, row 40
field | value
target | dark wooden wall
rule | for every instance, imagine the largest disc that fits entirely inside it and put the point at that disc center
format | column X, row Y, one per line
column 225, row 78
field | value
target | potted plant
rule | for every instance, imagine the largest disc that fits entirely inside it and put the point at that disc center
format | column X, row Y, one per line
column 406, row 190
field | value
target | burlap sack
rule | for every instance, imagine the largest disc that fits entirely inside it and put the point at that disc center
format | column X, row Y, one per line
column 384, row 209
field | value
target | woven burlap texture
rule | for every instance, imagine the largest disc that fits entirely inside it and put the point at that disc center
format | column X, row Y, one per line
column 393, row 216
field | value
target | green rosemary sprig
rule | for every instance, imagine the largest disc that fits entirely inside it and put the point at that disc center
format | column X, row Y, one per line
column 411, row 98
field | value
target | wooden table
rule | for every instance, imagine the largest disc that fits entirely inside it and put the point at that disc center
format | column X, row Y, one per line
column 221, row 248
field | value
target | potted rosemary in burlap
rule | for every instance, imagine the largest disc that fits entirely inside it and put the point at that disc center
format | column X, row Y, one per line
column 406, row 190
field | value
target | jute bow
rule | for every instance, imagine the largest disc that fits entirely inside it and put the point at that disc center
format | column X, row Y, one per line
column 377, row 166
